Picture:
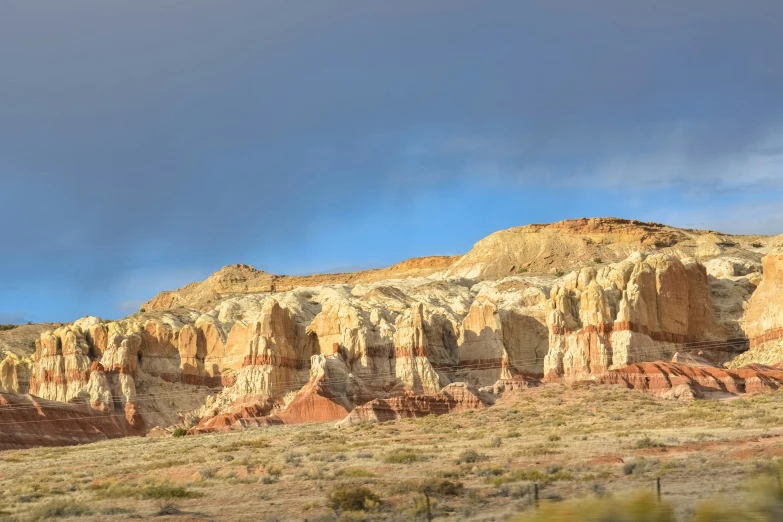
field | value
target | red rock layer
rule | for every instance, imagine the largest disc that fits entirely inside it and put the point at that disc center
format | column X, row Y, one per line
column 453, row 398
column 27, row 421
column 622, row 326
column 275, row 360
column 237, row 419
column 660, row 376
column 769, row 335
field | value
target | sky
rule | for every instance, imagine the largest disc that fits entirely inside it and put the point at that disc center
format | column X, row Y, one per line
column 146, row 144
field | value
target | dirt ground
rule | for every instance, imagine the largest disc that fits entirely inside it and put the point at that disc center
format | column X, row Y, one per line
column 482, row 465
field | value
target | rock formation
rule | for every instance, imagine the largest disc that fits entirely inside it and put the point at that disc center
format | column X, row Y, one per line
column 663, row 377
column 764, row 316
column 452, row 398
column 645, row 308
column 27, row 421
column 248, row 348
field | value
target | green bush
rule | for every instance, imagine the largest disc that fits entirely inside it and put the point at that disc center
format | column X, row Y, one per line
column 559, row 273
column 59, row 509
column 470, row 457
column 402, row 456
column 4, row 327
column 356, row 473
column 445, row 488
column 180, row 432
column 647, row 442
column 348, row 498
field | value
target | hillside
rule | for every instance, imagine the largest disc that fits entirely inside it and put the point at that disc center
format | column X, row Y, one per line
column 531, row 249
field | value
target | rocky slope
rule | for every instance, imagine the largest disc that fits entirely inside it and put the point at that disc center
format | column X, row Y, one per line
column 246, row 348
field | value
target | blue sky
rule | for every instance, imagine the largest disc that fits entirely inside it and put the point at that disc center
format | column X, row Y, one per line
column 145, row 145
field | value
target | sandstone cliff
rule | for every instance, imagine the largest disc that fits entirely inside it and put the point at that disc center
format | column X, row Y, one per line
column 645, row 308
column 764, row 316
column 246, row 348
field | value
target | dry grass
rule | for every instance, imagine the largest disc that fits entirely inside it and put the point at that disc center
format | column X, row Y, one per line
column 574, row 444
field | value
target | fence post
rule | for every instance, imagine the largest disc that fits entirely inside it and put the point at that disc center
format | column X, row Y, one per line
column 429, row 511
column 658, row 487
column 535, row 494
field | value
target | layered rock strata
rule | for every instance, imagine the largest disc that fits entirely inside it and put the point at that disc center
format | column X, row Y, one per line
column 452, row 398
column 662, row 377
column 27, row 421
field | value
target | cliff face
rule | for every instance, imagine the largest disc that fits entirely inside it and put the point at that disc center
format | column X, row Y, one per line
column 764, row 316
column 645, row 308
column 245, row 349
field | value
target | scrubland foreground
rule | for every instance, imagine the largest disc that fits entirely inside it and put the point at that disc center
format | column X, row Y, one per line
column 592, row 452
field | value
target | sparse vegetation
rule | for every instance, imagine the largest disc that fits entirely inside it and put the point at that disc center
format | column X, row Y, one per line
column 59, row 509
column 5, row 327
column 566, row 441
column 559, row 273
column 180, row 432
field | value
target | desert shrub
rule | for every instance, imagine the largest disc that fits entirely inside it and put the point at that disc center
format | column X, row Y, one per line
column 169, row 509
column 293, row 458
column 142, row 310
column 647, row 442
column 4, row 327
column 470, row 457
column 640, row 508
column 148, row 490
column 180, row 432
column 496, row 442
column 521, row 475
column 166, row 490
column 597, row 260
column 559, row 273
column 208, row 473
column 59, row 509
column 554, row 438
column 402, row 456
column 348, row 498
column 116, row 510
column 443, row 487
column 356, row 473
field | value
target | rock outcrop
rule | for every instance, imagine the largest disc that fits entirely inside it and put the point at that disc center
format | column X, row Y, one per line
column 247, row 348
column 663, row 377
column 234, row 280
column 455, row 397
column 764, row 316
column 27, row 421
column 645, row 308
